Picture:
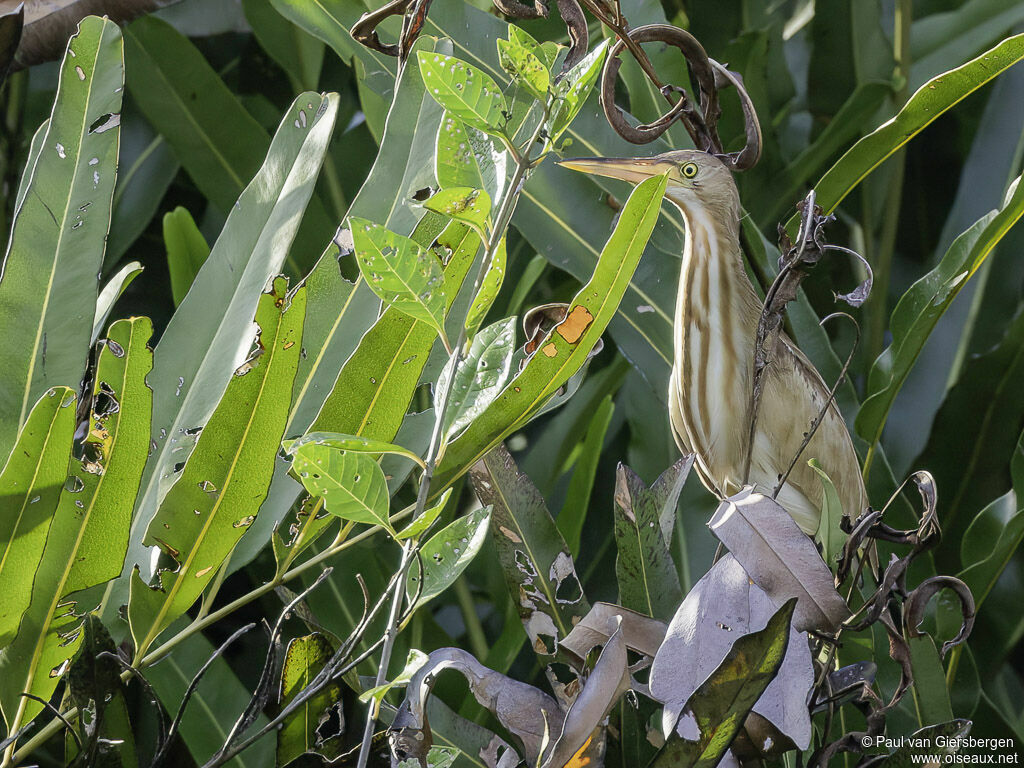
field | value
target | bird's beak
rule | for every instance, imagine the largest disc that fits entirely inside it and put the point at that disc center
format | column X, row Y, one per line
column 631, row 169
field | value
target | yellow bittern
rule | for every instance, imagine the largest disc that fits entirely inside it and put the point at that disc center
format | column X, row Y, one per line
column 716, row 318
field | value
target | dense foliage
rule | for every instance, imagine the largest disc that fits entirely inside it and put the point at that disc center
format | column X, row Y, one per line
column 365, row 367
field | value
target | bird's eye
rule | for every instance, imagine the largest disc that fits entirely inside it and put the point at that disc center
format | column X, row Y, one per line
column 689, row 170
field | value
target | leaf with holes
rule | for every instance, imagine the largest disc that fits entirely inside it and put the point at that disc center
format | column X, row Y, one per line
column 480, row 375
column 524, row 66
column 465, row 204
column 221, row 486
column 466, row 157
column 571, row 91
column 490, row 286
column 400, row 271
column 447, row 554
column 467, row 92
column 318, row 724
column 351, row 484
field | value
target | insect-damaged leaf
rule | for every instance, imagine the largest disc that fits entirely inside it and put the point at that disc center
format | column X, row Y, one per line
column 48, row 290
column 401, row 272
column 480, row 375
column 352, row 484
column 89, row 536
column 523, row 65
column 572, row 90
column 644, row 519
column 779, row 558
column 318, row 724
column 468, row 93
column 32, row 479
column 465, row 204
column 719, row 706
column 467, row 157
column 538, row 568
column 224, row 481
column 447, row 554
column 723, row 607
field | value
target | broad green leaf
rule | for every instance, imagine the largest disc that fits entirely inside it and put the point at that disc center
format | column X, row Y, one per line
column 538, row 568
column 985, row 411
column 187, row 251
column 931, row 697
column 480, row 375
column 573, row 515
column 647, row 577
column 402, row 273
column 218, row 143
column 524, row 67
column 424, row 521
column 31, row 480
column 467, row 157
column 722, row 702
column 218, row 491
column 569, row 344
column 48, row 287
column 490, row 286
column 465, row 204
column 921, row 307
column 931, row 100
column 446, row 555
column 200, row 348
column 829, row 534
column 413, row 662
column 299, row 733
column 297, row 53
column 467, row 92
column 572, row 90
column 352, row 484
column 354, row 443
column 437, row 757
column 111, row 293
column 523, row 39
column 89, row 536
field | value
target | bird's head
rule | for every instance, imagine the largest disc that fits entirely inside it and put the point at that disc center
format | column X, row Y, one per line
column 698, row 183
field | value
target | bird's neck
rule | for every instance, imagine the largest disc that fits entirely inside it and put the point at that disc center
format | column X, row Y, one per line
column 717, row 311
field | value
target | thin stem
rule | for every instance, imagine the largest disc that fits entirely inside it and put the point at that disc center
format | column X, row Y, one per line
column 475, row 630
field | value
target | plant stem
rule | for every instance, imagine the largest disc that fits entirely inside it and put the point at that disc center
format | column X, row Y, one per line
column 475, row 630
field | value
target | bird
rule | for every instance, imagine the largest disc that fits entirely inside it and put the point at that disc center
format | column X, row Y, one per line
column 714, row 336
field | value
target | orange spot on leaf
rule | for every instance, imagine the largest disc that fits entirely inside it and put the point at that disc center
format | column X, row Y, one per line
column 575, row 324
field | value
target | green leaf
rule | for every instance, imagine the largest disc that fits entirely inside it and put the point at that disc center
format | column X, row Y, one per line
column 571, row 92
column 354, row 443
column 403, row 274
column 111, row 293
column 424, row 521
column 538, row 568
column 524, row 66
column 199, row 350
column 187, row 251
column 437, row 757
column 931, row 100
column 218, row 143
column 647, row 577
column 470, row 206
column 467, row 157
column 297, row 53
column 721, row 704
column 223, row 482
column 931, row 697
column 921, row 307
column 352, row 485
column 32, row 480
column 48, row 288
column 480, row 375
column 573, row 515
column 447, row 554
column 490, row 286
column 89, row 537
column 467, row 92
column 569, row 344
column 413, row 662
column 829, row 534
column 300, row 731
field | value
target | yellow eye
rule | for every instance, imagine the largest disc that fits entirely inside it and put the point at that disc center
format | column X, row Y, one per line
column 689, row 170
